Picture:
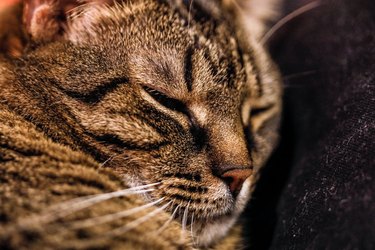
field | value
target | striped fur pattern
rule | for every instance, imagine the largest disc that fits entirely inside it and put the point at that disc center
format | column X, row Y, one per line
column 148, row 97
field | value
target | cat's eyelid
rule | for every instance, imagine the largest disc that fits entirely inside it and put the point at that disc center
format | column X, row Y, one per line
column 165, row 100
column 156, row 89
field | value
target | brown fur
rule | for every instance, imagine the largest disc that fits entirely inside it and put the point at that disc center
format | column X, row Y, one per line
column 82, row 114
column 37, row 173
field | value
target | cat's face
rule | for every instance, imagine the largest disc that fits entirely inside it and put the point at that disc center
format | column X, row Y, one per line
column 160, row 101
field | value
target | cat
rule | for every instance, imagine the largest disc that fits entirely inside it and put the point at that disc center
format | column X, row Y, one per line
column 132, row 125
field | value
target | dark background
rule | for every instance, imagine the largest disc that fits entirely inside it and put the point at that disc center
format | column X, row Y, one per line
column 318, row 190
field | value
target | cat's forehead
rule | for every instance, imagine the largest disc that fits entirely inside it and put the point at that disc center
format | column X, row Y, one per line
column 182, row 73
column 133, row 23
column 157, row 47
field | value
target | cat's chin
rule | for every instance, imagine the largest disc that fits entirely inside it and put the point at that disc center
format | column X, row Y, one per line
column 209, row 232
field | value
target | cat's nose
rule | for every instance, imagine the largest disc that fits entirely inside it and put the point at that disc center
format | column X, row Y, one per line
column 234, row 178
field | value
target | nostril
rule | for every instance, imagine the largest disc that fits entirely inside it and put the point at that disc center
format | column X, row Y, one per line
column 235, row 178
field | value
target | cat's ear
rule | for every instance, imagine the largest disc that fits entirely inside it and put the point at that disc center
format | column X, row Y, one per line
column 45, row 20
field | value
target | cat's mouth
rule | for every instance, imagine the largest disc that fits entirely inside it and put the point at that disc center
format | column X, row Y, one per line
column 208, row 230
column 207, row 217
column 196, row 203
column 208, row 222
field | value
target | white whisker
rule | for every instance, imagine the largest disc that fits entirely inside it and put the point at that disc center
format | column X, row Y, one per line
column 287, row 18
column 191, row 227
column 86, row 201
column 184, row 220
column 77, row 204
column 111, row 217
column 105, row 196
column 70, row 208
column 137, row 222
column 168, row 221
column 108, row 160
column 300, row 74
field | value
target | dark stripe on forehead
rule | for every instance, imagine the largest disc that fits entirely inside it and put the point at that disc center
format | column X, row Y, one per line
column 212, row 65
column 231, row 73
column 240, row 53
column 243, row 64
column 188, row 68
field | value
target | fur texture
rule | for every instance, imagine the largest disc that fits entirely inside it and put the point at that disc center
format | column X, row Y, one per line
column 160, row 97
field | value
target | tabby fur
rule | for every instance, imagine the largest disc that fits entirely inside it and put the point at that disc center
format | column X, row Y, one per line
column 157, row 96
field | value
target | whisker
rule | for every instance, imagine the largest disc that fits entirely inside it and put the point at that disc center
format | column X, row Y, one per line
column 184, row 218
column 110, row 217
column 189, row 13
column 191, row 227
column 77, row 204
column 288, row 18
column 137, row 222
column 105, row 196
column 93, row 199
column 108, row 160
column 300, row 74
column 68, row 209
column 168, row 221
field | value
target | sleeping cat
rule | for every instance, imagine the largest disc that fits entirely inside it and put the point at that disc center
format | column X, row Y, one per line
column 132, row 125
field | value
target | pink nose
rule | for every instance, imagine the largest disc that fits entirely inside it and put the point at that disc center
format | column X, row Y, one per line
column 234, row 178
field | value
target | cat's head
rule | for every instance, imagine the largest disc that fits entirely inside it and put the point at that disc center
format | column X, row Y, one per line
column 160, row 96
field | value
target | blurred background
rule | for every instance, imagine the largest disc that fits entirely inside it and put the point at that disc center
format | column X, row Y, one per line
column 4, row 3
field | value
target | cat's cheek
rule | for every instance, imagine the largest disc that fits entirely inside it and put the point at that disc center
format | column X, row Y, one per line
column 132, row 180
column 244, row 195
column 216, row 230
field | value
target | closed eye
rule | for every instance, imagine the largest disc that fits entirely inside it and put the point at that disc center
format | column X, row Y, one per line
column 96, row 93
column 166, row 101
column 197, row 132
